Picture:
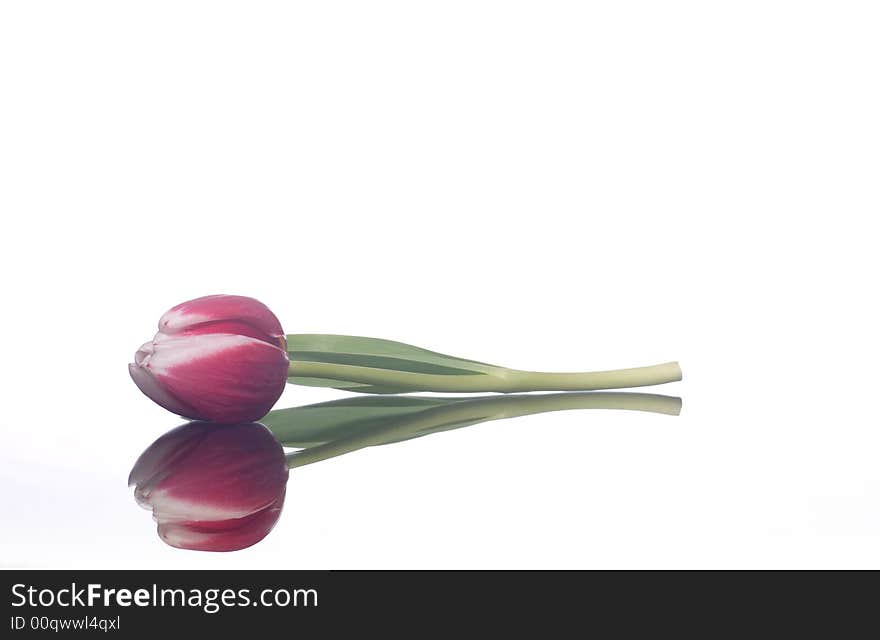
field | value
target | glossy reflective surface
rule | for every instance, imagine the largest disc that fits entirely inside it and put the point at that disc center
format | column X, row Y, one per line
column 218, row 487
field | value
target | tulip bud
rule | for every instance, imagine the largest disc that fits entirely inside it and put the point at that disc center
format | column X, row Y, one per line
column 212, row 487
column 218, row 358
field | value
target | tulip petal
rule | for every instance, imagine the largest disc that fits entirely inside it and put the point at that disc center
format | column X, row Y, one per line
column 212, row 487
column 151, row 388
column 229, row 472
column 169, row 450
column 225, row 378
column 143, row 354
column 239, row 314
column 230, row 535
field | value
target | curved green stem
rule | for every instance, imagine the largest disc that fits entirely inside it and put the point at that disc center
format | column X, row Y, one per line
column 468, row 412
column 497, row 379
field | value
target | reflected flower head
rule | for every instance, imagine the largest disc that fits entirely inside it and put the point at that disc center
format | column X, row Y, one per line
column 212, row 487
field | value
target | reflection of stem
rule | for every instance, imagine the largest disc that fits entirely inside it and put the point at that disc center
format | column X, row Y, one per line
column 469, row 412
column 498, row 379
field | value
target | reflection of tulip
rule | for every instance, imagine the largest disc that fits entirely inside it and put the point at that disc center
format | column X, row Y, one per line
column 331, row 429
column 219, row 358
column 212, row 487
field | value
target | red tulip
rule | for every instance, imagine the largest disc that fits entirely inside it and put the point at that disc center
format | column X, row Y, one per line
column 218, row 358
column 212, row 487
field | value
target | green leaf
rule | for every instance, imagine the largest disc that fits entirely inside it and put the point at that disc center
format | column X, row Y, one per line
column 375, row 354
column 369, row 421
column 318, row 423
column 379, row 354
column 359, row 387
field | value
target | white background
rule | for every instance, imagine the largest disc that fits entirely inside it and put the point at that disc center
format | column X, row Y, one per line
column 542, row 185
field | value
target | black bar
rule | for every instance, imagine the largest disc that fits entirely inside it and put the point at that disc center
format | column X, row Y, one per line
column 289, row 603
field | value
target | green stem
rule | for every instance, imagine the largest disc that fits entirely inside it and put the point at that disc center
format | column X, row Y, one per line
column 468, row 412
column 498, row 379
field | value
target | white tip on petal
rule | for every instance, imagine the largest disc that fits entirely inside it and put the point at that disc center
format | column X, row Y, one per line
column 183, row 537
column 178, row 319
column 153, row 390
column 174, row 351
column 141, row 357
column 170, row 508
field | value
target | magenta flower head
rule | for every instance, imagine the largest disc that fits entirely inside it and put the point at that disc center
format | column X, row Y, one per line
column 218, row 358
column 212, row 487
